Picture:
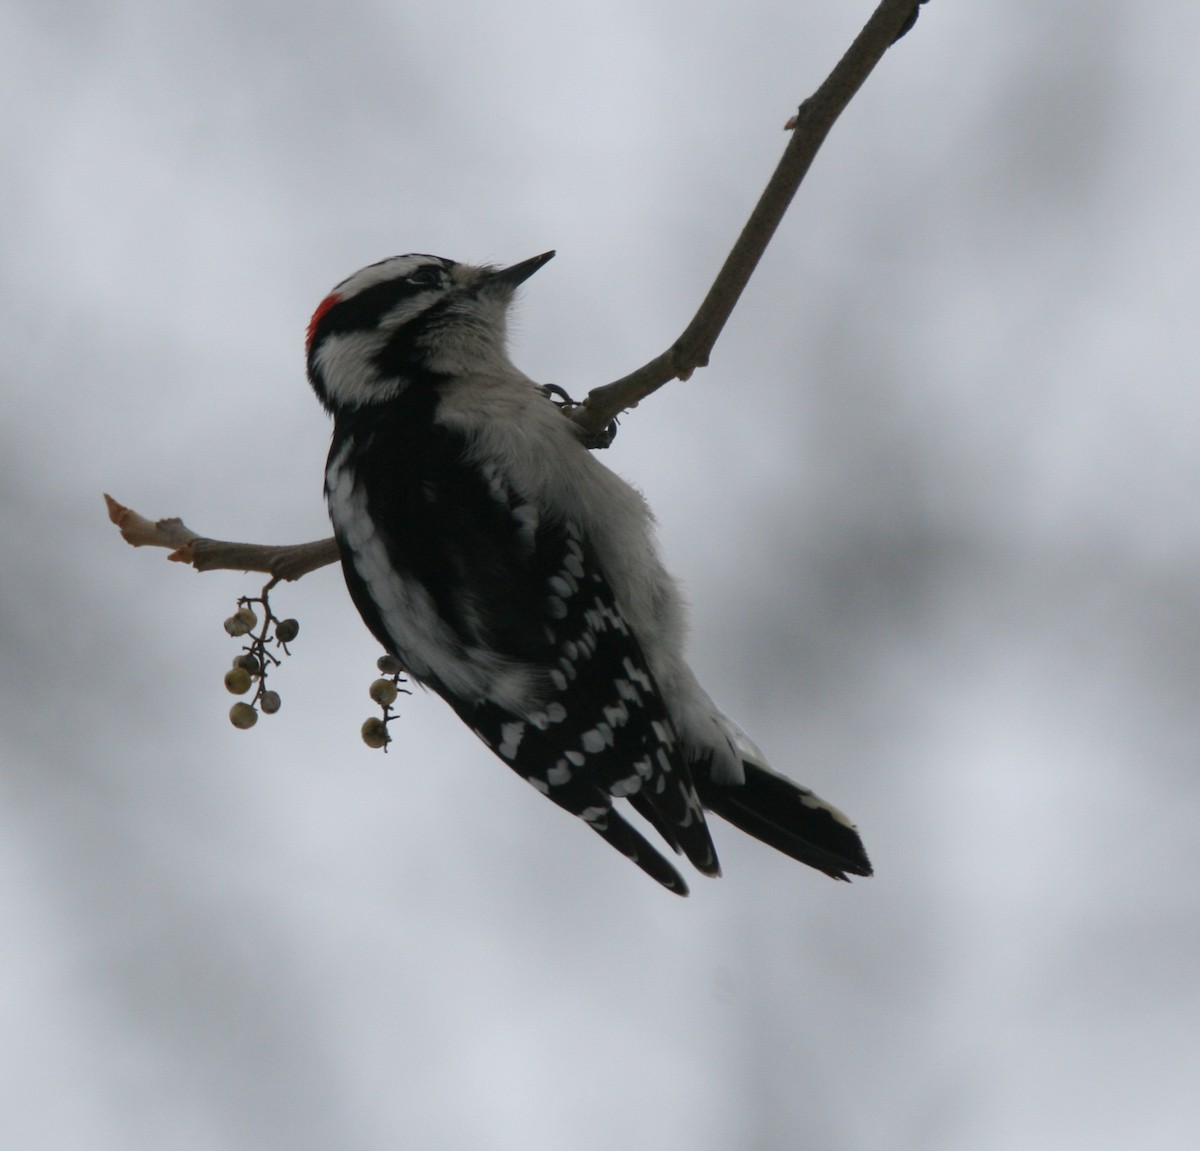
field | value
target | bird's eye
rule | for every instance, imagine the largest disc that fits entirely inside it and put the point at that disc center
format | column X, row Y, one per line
column 426, row 277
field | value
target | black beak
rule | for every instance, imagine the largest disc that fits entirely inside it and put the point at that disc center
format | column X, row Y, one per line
column 519, row 273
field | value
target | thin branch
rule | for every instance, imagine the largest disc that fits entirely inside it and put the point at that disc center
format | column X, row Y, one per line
column 810, row 127
column 284, row 562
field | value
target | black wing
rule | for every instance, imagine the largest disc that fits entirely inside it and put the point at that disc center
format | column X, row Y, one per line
column 504, row 580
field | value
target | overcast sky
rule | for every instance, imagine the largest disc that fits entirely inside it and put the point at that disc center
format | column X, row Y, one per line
column 935, row 504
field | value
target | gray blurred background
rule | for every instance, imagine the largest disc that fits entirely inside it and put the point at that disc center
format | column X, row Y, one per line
column 935, row 504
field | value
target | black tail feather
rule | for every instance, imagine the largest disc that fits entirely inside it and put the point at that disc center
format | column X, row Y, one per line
column 790, row 819
column 634, row 846
column 647, row 811
column 687, row 834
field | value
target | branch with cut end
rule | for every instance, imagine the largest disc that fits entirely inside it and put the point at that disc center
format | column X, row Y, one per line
column 809, row 128
column 285, row 562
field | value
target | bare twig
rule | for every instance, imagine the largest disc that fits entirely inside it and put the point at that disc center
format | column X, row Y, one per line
column 810, row 127
column 285, row 562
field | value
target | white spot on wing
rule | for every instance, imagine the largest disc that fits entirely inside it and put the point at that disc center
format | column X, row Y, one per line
column 637, row 675
column 526, row 516
column 511, row 735
column 592, row 741
column 617, row 715
column 573, row 561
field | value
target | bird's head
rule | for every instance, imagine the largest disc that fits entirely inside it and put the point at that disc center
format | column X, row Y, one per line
column 412, row 320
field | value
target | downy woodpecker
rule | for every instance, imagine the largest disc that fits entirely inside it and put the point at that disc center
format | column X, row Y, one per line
column 511, row 572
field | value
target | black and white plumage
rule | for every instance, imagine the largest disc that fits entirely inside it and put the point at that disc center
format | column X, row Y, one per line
column 511, row 572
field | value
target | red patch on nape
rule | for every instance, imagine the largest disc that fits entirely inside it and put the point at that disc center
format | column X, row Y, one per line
column 317, row 316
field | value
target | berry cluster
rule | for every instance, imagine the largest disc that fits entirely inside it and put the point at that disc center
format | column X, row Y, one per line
column 384, row 692
column 251, row 666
